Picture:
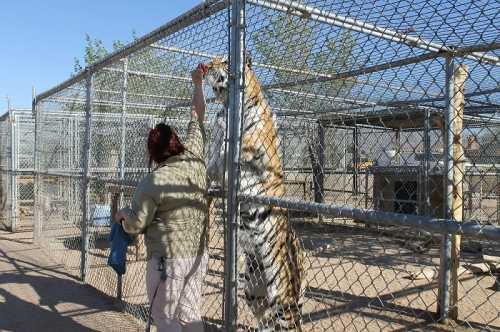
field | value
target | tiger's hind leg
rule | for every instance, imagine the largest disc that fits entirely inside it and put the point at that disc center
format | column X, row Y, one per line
column 284, row 282
column 255, row 286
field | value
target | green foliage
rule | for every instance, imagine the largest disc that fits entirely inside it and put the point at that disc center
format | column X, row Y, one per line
column 94, row 51
column 292, row 42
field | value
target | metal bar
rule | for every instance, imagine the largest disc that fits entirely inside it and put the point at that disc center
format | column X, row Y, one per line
column 123, row 130
column 149, row 75
column 196, row 14
column 438, row 98
column 326, row 78
column 308, row 12
column 115, row 198
column 433, row 225
column 426, row 163
column 320, row 195
column 85, row 177
column 132, row 93
column 37, row 225
column 366, row 189
column 398, row 146
column 355, row 159
column 356, row 72
column 445, row 259
column 116, row 104
column 12, row 166
column 236, row 95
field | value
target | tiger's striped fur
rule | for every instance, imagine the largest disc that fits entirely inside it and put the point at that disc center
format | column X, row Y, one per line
column 274, row 260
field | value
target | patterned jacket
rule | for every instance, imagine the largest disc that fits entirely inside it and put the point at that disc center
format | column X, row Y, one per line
column 170, row 203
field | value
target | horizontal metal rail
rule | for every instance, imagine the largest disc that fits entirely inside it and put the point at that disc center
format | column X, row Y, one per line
column 150, row 75
column 68, row 100
column 132, row 94
column 444, row 226
column 311, row 13
column 267, row 66
column 380, row 67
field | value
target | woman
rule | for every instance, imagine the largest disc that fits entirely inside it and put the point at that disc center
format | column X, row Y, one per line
column 170, row 207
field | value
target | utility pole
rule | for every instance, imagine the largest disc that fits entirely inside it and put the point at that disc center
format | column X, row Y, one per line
column 8, row 102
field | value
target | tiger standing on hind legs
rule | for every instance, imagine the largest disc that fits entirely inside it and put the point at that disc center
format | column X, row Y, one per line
column 274, row 272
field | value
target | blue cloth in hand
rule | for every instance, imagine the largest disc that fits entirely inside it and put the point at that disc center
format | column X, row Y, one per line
column 119, row 243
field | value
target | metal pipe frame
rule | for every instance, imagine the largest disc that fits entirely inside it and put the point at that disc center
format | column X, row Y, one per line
column 236, row 101
column 261, row 65
column 320, row 78
column 446, row 242
column 255, row 64
column 311, row 13
column 123, row 132
column 37, row 224
column 355, row 159
column 13, row 166
column 196, row 14
column 131, row 93
column 85, row 177
column 109, row 103
column 149, row 75
column 433, row 225
column 426, row 163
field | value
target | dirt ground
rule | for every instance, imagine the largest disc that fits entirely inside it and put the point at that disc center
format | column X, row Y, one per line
column 358, row 279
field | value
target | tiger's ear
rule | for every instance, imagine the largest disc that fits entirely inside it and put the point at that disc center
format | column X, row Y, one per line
column 248, row 59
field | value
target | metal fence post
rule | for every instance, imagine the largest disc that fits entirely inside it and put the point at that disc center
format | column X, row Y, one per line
column 355, row 160
column 317, row 156
column 445, row 256
column 13, row 167
column 36, row 177
column 123, row 120
column 320, row 176
column 85, row 176
column 236, row 94
column 450, row 247
column 426, row 163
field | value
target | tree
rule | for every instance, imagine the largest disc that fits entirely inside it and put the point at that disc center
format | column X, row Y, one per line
column 291, row 42
column 94, row 51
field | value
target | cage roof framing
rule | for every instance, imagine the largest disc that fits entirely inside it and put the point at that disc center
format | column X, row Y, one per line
column 482, row 53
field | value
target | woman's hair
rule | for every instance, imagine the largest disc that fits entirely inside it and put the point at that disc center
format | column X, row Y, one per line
column 163, row 143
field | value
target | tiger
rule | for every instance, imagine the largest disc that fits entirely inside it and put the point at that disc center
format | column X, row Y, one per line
column 274, row 261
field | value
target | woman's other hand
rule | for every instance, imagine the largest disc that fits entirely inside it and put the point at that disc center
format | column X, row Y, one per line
column 199, row 105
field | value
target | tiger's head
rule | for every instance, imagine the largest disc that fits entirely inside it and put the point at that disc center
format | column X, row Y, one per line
column 218, row 76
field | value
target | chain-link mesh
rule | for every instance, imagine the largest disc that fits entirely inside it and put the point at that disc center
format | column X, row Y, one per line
column 370, row 140
column 371, row 118
column 17, row 129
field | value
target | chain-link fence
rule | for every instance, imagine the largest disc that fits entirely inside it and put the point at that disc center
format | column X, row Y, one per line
column 17, row 133
column 354, row 150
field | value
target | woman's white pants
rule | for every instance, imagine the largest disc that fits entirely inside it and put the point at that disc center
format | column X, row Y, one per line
column 178, row 301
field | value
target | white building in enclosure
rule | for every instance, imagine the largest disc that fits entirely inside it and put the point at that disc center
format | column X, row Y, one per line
column 388, row 115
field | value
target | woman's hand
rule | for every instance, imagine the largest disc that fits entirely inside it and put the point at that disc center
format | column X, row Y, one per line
column 198, row 74
column 119, row 217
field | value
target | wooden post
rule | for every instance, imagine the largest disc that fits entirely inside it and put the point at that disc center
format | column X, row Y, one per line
column 458, row 102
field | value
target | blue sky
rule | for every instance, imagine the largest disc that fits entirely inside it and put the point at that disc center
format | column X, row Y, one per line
column 40, row 39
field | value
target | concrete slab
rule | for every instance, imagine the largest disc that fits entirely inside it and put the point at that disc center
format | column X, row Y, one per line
column 37, row 295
